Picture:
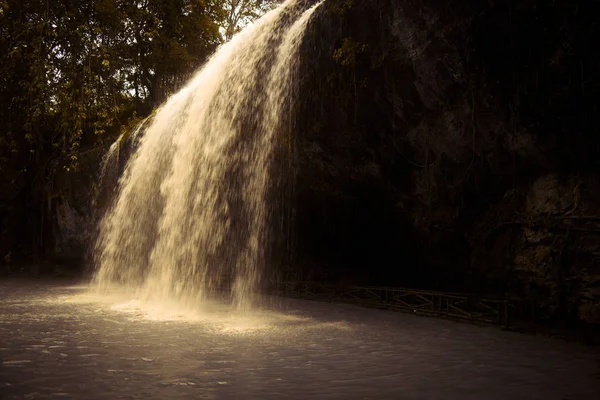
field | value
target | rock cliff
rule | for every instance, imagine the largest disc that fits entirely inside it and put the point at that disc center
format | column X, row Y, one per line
column 453, row 145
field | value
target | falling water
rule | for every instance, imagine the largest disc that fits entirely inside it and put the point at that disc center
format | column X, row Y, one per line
column 192, row 210
column 110, row 167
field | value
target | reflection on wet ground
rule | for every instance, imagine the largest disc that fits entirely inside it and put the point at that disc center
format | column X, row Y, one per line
column 58, row 341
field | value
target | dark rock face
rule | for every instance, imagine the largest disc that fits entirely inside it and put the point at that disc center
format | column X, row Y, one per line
column 73, row 229
column 451, row 146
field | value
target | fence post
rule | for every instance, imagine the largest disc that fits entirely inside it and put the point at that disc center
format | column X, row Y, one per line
column 506, row 318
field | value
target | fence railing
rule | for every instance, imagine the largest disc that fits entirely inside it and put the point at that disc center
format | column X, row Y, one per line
column 452, row 305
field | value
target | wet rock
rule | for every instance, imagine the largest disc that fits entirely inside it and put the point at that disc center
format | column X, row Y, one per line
column 486, row 154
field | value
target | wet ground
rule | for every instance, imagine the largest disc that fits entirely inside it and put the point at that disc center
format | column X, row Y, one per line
column 58, row 341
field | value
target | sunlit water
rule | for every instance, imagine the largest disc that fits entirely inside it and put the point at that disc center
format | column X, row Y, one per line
column 192, row 210
column 58, row 341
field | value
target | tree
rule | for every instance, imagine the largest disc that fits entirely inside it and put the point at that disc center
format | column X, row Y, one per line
column 73, row 73
column 238, row 13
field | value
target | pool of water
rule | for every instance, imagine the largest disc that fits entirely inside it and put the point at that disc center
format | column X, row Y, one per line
column 57, row 340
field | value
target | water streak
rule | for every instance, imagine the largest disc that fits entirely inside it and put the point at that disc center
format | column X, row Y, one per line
column 192, row 213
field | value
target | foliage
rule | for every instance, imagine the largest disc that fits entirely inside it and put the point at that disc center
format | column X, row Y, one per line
column 347, row 53
column 239, row 13
column 74, row 73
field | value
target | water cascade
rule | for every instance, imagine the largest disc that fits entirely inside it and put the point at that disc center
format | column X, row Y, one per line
column 192, row 207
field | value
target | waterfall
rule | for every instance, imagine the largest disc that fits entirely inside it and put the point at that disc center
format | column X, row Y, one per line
column 192, row 210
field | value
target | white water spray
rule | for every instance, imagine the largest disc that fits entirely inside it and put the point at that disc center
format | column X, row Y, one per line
column 192, row 209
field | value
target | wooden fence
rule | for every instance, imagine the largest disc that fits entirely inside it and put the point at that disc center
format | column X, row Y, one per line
column 498, row 311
